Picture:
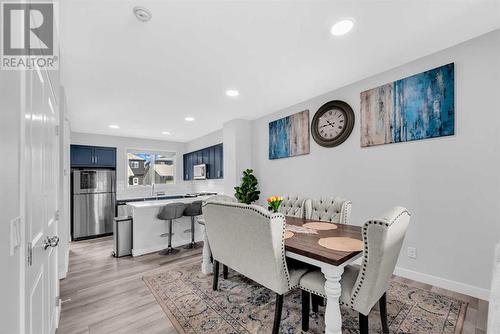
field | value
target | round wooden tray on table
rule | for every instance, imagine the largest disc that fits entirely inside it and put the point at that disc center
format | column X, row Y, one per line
column 320, row 226
column 342, row 244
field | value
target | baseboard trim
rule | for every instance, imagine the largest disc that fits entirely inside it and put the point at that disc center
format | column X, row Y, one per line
column 444, row 283
column 439, row 282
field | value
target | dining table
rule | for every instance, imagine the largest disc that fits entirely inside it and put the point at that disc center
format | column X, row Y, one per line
column 303, row 244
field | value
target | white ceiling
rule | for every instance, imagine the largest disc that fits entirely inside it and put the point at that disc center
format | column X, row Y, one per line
column 146, row 77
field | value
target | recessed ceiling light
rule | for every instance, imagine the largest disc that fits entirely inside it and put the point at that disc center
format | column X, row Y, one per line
column 165, row 133
column 114, row 126
column 232, row 93
column 189, row 119
column 342, row 27
column 142, row 14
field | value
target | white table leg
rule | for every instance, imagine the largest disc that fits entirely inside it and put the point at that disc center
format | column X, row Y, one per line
column 333, row 318
column 206, row 264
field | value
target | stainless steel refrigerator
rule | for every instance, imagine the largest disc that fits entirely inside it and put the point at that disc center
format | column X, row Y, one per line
column 93, row 202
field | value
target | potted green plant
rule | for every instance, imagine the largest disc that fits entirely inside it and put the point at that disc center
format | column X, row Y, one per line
column 247, row 192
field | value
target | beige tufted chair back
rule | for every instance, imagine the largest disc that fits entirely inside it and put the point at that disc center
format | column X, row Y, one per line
column 294, row 206
column 249, row 239
column 330, row 209
column 383, row 238
column 220, row 198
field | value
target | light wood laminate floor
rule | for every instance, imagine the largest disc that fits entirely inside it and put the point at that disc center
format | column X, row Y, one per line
column 103, row 294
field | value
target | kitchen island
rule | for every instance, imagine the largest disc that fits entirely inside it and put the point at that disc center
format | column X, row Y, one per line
column 147, row 228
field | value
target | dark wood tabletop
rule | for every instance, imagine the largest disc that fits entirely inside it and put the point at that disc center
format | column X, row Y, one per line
column 307, row 244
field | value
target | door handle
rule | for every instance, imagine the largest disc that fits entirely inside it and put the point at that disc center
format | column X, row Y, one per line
column 51, row 242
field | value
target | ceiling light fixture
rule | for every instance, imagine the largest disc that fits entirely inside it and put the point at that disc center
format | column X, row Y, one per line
column 142, row 14
column 189, row 119
column 232, row 93
column 342, row 27
column 113, row 126
column 165, row 133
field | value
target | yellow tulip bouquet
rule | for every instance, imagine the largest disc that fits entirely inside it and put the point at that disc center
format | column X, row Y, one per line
column 274, row 203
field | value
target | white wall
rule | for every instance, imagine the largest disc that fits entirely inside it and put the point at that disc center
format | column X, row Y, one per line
column 211, row 139
column 122, row 144
column 237, row 135
column 450, row 184
column 10, row 117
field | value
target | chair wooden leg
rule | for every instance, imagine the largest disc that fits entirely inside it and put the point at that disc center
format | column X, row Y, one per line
column 306, row 298
column 316, row 300
column 363, row 324
column 383, row 313
column 224, row 271
column 277, row 313
column 216, row 275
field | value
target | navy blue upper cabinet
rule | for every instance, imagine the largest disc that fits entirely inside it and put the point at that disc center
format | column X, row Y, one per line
column 82, row 156
column 219, row 162
column 185, row 163
column 105, row 156
column 93, row 156
column 211, row 156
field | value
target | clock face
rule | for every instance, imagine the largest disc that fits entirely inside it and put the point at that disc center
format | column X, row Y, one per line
column 331, row 124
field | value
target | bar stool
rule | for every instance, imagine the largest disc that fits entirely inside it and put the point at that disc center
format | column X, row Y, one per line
column 193, row 209
column 170, row 212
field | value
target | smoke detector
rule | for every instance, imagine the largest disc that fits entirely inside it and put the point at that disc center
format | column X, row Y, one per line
column 142, row 14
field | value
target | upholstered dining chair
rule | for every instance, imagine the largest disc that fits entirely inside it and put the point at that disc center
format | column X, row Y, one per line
column 295, row 206
column 250, row 240
column 220, row 198
column 330, row 209
column 201, row 220
column 363, row 286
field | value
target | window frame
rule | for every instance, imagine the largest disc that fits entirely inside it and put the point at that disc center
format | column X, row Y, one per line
column 153, row 152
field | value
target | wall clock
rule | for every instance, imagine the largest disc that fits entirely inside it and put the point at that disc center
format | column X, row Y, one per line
column 332, row 124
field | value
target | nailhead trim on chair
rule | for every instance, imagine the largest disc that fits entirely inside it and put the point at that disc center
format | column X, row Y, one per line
column 365, row 262
column 314, row 292
column 268, row 216
column 347, row 209
column 365, row 255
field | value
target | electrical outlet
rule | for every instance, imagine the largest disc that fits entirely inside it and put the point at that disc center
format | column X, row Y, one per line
column 412, row 252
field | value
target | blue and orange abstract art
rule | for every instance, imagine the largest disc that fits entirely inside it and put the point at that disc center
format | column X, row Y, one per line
column 418, row 107
column 289, row 136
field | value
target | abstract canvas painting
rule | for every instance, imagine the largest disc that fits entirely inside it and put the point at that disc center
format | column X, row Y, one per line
column 417, row 107
column 289, row 136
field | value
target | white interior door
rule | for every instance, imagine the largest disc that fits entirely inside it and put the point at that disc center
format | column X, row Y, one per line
column 41, row 167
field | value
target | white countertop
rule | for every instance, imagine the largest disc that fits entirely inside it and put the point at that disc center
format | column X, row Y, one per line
column 156, row 203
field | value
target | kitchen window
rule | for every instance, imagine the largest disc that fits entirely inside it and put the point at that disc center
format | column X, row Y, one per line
column 147, row 167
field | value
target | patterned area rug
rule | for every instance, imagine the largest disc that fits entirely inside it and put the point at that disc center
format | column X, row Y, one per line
column 242, row 306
